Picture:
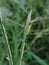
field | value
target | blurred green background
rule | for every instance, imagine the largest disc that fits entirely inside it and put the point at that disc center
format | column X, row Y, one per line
column 28, row 40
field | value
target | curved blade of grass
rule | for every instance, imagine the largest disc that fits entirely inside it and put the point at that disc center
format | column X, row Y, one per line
column 38, row 59
column 25, row 34
column 6, row 38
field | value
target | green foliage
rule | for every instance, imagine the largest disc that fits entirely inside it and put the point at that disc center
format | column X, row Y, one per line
column 24, row 25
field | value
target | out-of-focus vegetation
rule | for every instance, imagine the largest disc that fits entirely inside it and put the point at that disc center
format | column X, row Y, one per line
column 24, row 32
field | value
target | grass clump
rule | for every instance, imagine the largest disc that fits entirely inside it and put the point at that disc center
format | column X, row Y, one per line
column 24, row 32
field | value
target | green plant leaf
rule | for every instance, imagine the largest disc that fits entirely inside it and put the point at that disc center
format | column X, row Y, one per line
column 38, row 59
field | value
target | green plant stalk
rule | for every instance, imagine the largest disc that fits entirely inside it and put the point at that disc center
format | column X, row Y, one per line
column 6, row 38
column 23, row 46
column 26, row 32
